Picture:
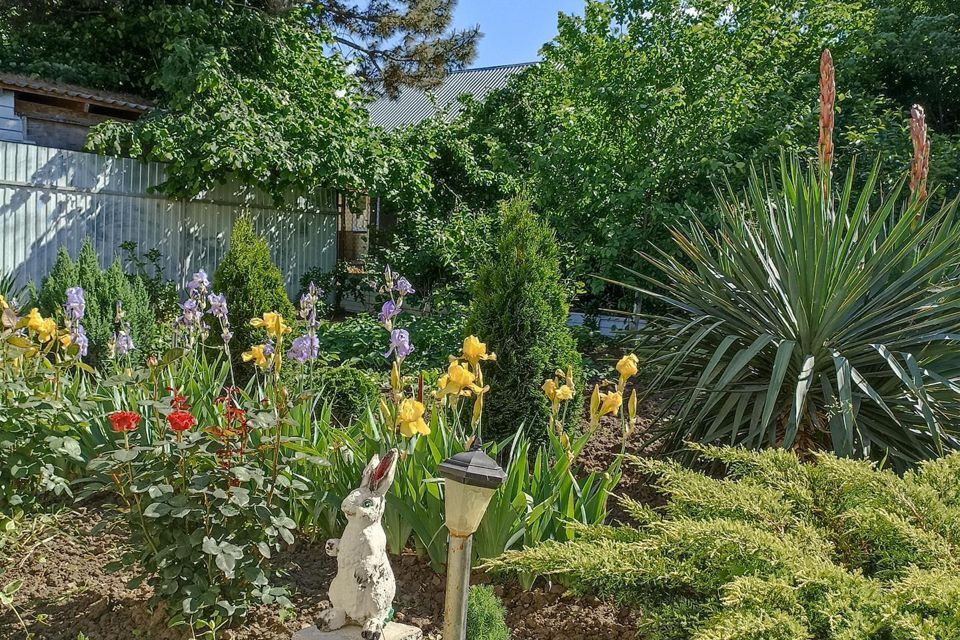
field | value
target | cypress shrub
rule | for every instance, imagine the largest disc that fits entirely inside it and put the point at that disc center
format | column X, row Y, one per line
column 252, row 284
column 485, row 615
column 519, row 308
column 103, row 289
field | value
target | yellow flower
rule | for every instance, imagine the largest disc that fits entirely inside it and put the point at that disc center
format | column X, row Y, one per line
column 627, row 367
column 595, row 400
column 564, row 392
column 632, row 405
column 458, row 378
column 474, row 351
column 410, row 418
column 3, row 303
column 65, row 340
column 257, row 355
column 550, row 389
column 273, row 323
column 45, row 328
column 611, row 403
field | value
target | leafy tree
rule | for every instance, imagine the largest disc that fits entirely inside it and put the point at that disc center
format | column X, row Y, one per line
column 519, row 308
column 244, row 91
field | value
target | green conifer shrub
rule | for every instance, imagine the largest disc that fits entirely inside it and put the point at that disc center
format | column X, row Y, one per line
column 485, row 615
column 251, row 282
column 348, row 390
column 829, row 549
column 519, row 308
column 103, row 289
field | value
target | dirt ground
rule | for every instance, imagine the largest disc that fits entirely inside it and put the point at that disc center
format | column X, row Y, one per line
column 65, row 591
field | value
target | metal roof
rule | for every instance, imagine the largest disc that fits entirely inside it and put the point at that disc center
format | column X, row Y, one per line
column 414, row 105
column 20, row 82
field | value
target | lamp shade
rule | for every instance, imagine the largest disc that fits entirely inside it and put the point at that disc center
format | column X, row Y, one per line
column 471, row 478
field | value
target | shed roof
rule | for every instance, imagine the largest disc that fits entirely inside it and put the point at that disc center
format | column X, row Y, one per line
column 20, row 82
column 415, row 105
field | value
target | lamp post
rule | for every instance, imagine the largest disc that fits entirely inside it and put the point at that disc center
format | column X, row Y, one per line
column 470, row 480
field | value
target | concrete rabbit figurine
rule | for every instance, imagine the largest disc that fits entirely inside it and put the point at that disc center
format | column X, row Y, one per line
column 364, row 588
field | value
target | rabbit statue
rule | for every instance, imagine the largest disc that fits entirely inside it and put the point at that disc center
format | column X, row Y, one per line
column 363, row 590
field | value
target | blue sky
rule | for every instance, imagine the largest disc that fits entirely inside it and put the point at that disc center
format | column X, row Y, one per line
column 513, row 29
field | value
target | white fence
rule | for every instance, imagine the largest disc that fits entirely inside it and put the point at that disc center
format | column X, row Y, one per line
column 51, row 198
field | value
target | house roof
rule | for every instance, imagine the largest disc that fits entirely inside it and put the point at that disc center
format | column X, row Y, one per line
column 414, row 105
column 24, row 83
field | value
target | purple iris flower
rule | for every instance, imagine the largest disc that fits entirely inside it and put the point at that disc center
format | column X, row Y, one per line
column 218, row 306
column 403, row 287
column 388, row 312
column 191, row 316
column 304, row 348
column 268, row 348
column 308, row 305
column 76, row 303
column 198, row 284
column 399, row 344
column 79, row 337
column 123, row 343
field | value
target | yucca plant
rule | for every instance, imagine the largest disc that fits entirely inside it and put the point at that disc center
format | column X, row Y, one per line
column 814, row 317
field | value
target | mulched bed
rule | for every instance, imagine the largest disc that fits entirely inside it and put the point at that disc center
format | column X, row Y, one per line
column 66, row 592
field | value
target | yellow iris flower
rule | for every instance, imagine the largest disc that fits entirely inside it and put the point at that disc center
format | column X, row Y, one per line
column 610, row 403
column 564, row 392
column 273, row 323
column 45, row 328
column 627, row 367
column 256, row 355
column 474, row 351
column 410, row 418
column 550, row 389
column 456, row 379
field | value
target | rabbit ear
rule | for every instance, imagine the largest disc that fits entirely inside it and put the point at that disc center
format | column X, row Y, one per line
column 383, row 474
column 368, row 472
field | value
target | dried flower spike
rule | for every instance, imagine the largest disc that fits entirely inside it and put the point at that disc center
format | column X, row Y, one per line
column 920, row 166
column 828, row 98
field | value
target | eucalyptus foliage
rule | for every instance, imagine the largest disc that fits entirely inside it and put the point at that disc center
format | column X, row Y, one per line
column 834, row 549
column 812, row 319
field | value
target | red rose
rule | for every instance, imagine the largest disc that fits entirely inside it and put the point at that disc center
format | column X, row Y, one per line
column 121, row 421
column 181, row 420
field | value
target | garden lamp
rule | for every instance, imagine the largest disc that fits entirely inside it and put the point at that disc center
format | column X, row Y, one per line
column 470, row 480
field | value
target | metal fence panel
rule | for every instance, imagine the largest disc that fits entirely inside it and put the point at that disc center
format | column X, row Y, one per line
column 52, row 198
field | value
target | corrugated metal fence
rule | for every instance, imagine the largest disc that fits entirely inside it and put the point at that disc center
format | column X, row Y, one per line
column 51, row 198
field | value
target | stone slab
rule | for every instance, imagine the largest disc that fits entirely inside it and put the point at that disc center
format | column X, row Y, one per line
column 393, row 631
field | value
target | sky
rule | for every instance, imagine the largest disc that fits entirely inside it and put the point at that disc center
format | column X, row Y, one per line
column 513, row 29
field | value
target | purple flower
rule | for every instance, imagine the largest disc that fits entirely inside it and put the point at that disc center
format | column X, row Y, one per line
column 198, row 284
column 304, row 348
column 218, row 306
column 76, row 303
column 388, row 312
column 388, row 275
column 399, row 344
column 79, row 337
column 123, row 343
column 191, row 316
column 403, row 286
column 268, row 348
column 308, row 305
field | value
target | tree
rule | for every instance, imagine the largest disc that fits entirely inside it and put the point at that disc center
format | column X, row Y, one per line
column 520, row 309
column 400, row 42
column 244, row 92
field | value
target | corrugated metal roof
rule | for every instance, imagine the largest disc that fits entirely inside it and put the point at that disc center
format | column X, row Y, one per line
column 127, row 101
column 415, row 105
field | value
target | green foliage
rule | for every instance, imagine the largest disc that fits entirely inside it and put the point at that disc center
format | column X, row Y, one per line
column 245, row 92
column 485, row 615
column 348, row 391
column 161, row 292
column 251, row 283
column 360, row 340
column 41, row 412
column 521, row 308
column 832, row 549
column 812, row 324
column 103, row 289
column 205, row 504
